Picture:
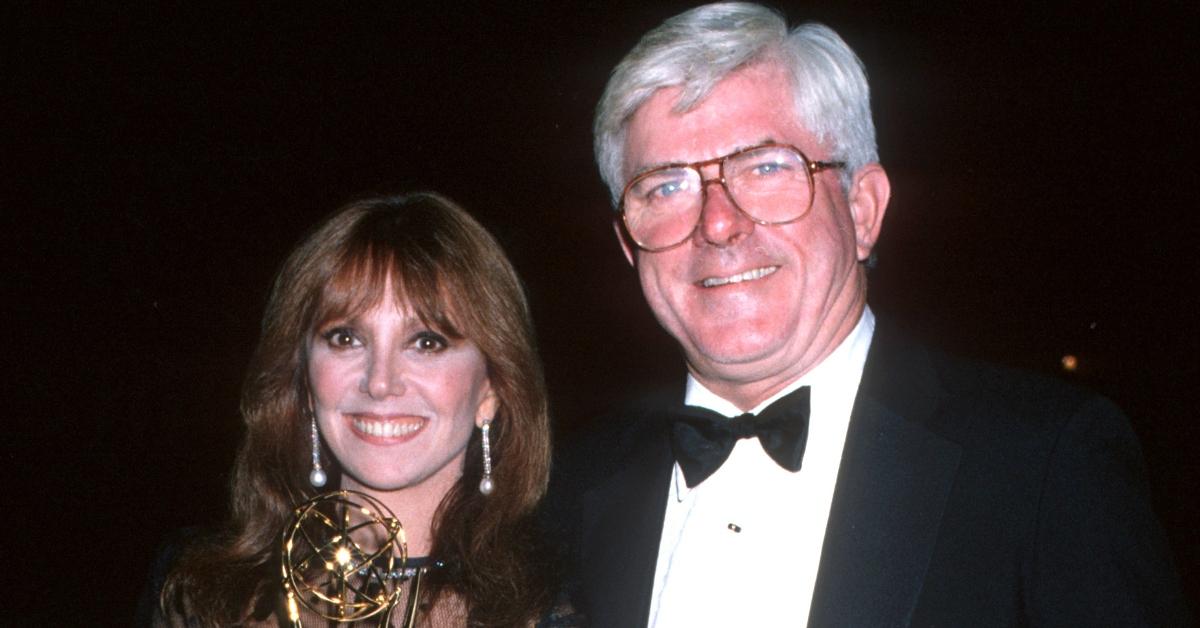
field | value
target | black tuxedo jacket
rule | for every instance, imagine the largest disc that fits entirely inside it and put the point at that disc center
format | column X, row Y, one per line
column 968, row 495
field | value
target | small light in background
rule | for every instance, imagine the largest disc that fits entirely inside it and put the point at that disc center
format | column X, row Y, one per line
column 1069, row 362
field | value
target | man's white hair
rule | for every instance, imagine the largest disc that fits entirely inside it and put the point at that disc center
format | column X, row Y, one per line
column 696, row 49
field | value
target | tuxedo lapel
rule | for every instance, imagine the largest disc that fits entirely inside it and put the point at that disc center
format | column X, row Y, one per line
column 623, row 519
column 895, row 476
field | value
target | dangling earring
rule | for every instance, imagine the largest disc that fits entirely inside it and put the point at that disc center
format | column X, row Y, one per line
column 486, row 486
column 317, row 478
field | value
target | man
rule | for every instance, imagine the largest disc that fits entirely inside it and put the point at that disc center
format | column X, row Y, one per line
column 889, row 485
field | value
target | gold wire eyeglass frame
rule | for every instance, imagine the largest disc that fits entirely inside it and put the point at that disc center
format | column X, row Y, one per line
column 813, row 167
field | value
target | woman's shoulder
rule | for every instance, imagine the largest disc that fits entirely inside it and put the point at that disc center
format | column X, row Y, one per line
column 165, row 557
column 562, row 615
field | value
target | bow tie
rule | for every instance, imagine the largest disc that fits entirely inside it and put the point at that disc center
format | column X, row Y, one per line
column 702, row 439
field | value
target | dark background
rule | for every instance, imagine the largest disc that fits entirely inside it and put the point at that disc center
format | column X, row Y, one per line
column 160, row 162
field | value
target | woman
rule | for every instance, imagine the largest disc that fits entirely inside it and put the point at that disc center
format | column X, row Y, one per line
column 393, row 335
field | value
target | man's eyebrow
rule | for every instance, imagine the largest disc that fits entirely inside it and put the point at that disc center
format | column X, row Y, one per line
column 642, row 169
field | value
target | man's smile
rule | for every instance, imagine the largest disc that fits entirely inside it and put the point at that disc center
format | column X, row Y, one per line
column 749, row 275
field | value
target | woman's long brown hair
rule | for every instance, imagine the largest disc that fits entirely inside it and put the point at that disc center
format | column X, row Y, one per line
column 457, row 279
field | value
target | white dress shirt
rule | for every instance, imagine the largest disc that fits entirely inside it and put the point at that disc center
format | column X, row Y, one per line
column 742, row 548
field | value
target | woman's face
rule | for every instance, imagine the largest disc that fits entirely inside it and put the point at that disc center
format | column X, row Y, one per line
column 396, row 401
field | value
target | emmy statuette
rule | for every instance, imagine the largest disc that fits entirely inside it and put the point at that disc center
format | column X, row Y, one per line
column 345, row 558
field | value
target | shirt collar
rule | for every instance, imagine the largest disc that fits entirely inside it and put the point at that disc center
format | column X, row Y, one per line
column 839, row 369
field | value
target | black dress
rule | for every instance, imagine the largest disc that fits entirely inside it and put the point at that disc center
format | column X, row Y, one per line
column 150, row 615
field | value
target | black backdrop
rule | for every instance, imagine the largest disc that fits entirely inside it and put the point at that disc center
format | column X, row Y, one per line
column 160, row 162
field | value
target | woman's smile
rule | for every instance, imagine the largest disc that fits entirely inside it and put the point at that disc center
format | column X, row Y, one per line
column 386, row 429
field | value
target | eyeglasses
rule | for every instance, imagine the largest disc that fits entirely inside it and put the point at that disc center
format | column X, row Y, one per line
column 772, row 184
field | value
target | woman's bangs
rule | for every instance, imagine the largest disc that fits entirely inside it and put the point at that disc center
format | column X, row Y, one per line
column 354, row 287
column 360, row 283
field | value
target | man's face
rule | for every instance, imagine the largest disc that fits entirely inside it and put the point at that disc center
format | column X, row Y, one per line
column 800, row 290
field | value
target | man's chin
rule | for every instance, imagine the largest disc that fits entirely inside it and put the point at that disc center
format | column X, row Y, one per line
column 732, row 362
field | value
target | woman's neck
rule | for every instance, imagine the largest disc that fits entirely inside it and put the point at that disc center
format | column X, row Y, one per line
column 414, row 506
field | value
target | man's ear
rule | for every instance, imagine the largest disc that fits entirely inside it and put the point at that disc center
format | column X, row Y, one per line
column 626, row 246
column 869, row 194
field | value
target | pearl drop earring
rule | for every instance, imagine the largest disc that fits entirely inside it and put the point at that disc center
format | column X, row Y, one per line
column 486, row 485
column 317, row 478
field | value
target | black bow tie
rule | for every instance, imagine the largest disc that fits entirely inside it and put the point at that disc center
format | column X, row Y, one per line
column 702, row 439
